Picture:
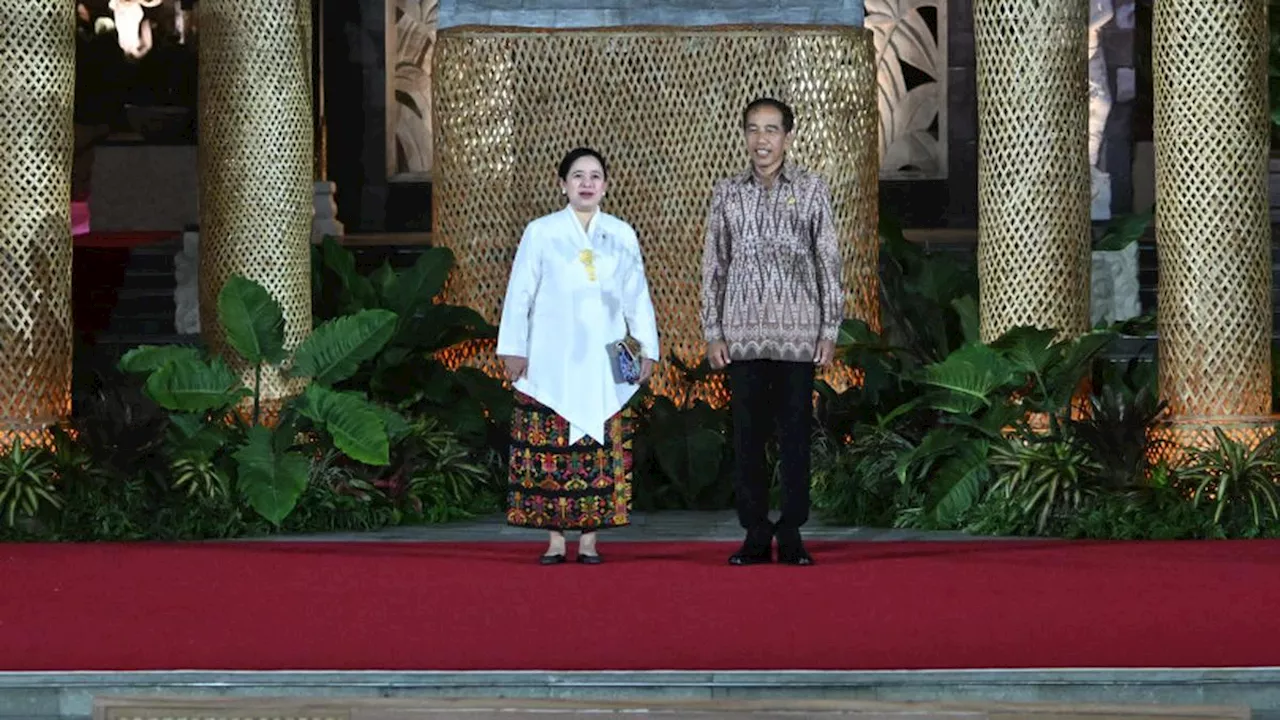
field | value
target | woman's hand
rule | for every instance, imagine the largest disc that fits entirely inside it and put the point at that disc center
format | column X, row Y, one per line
column 515, row 366
column 646, row 370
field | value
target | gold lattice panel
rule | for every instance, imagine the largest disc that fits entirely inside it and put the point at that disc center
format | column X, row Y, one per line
column 1033, row 165
column 1170, row 438
column 664, row 106
column 1213, row 230
column 37, row 89
column 256, row 138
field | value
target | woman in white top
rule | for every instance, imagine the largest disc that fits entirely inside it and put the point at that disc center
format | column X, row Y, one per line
column 577, row 288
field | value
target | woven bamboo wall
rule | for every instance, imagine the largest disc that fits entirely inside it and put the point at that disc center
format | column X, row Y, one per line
column 37, row 89
column 1033, row 164
column 1214, row 234
column 256, row 143
column 664, row 105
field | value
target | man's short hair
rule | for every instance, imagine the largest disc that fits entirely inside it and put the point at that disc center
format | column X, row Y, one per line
column 788, row 117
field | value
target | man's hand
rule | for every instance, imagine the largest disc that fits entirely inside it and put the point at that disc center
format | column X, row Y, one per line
column 718, row 355
column 825, row 354
column 646, row 370
column 516, row 367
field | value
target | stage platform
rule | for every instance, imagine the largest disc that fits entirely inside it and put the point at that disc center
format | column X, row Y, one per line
column 501, row 709
column 975, row 620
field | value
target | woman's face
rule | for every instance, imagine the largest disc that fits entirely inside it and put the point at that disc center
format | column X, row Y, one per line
column 585, row 184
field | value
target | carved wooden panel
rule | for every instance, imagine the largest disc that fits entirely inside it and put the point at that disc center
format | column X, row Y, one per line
column 410, row 46
column 911, row 62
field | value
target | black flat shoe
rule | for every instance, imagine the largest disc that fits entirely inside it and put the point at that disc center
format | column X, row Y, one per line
column 551, row 559
column 589, row 559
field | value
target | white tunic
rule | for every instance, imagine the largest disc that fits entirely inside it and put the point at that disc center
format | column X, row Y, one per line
column 572, row 294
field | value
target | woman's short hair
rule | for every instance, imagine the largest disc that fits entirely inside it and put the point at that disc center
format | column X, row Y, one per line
column 577, row 154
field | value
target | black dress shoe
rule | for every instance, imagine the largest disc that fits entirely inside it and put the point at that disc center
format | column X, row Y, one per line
column 751, row 557
column 791, row 548
column 590, row 559
column 551, row 559
column 757, row 548
column 795, row 556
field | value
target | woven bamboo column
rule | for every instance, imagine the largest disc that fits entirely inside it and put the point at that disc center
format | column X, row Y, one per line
column 256, row 160
column 1213, row 229
column 37, row 91
column 1033, row 164
column 664, row 105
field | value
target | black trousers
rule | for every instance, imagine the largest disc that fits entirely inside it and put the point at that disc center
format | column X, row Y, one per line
column 768, row 396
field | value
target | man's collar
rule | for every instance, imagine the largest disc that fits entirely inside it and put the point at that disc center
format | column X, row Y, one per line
column 787, row 173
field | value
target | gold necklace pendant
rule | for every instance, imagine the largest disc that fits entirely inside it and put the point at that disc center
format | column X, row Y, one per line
column 588, row 260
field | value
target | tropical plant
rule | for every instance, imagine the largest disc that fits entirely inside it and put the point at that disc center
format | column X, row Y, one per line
column 1044, row 475
column 1235, row 478
column 853, row 477
column 436, row 477
column 681, row 444
column 28, row 485
column 410, row 373
column 205, row 397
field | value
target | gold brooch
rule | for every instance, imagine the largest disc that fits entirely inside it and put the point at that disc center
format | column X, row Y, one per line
column 588, row 260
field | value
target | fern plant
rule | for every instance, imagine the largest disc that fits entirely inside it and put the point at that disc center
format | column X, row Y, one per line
column 266, row 464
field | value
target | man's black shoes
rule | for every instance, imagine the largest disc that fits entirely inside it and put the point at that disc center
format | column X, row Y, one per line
column 791, row 548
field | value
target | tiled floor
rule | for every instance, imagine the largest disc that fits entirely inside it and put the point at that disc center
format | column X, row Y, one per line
column 660, row 526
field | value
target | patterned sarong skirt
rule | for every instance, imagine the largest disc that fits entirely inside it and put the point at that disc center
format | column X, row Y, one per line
column 557, row 486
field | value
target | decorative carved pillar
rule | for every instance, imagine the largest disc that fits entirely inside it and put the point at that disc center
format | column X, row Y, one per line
column 1033, row 164
column 1213, row 230
column 37, row 137
column 256, row 160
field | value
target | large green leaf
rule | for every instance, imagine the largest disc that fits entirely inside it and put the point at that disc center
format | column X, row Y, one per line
column 359, row 293
column 357, row 426
column 334, row 351
column 252, row 320
column 415, row 289
column 194, row 386
column 959, row 483
column 1031, row 350
column 271, row 482
column 917, row 462
column 968, row 377
column 149, row 358
column 437, row 326
column 967, row 313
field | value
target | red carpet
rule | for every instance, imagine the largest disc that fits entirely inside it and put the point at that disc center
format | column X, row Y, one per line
column 476, row 606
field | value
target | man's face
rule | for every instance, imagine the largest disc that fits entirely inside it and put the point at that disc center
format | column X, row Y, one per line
column 767, row 141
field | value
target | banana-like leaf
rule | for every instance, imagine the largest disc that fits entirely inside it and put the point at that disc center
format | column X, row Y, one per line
column 418, row 286
column 966, row 308
column 271, row 482
column 194, row 386
column 1030, row 349
column 334, row 351
column 359, row 291
column 149, row 358
column 968, row 376
column 918, row 461
column 959, row 483
column 252, row 320
column 356, row 426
